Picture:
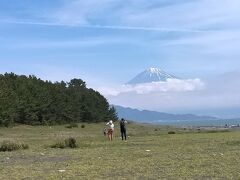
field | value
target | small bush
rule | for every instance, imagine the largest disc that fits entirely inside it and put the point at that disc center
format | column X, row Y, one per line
column 83, row 126
column 12, row 146
column 72, row 125
column 171, row 132
column 25, row 146
column 69, row 142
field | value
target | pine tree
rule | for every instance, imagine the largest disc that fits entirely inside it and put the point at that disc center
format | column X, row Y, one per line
column 30, row 100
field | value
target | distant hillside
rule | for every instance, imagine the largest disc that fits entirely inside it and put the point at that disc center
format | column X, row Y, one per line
column 153, row 116
column 30, row 100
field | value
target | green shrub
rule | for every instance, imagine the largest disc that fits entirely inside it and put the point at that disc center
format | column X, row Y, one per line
column 83, row 126
column 69, row 142
column 171, row 132
column 25, row 146
column 12, row 146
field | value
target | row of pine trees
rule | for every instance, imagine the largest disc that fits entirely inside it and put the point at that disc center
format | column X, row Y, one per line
column 30, row 100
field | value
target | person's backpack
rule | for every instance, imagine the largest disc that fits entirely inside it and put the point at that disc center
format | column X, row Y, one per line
column 122, row 124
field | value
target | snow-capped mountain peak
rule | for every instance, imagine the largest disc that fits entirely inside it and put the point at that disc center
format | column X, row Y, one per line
column 154, row 70
column 152, row 75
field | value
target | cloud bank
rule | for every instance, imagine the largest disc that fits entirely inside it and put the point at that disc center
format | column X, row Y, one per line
column 171, row 85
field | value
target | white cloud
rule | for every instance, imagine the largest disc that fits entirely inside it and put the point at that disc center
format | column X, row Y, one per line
column 185, row 15
column 201, row 14
column 171, row 85
column 218, row 41
column 76, row 43
column 189, row 14
column 79, row 11
column 115, row 27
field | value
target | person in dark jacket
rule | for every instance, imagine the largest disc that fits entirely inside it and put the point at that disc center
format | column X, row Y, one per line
column 123, row 123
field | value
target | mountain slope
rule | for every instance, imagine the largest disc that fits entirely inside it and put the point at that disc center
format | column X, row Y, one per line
column 153, row 116
column 151, row 75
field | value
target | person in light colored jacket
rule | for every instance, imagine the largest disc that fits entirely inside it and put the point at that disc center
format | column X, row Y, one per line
column 110, row 130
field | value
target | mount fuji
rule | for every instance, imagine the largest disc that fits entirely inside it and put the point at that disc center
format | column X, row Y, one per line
column 151, row 75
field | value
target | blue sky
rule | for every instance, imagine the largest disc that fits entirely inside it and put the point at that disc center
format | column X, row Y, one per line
column 108, row 42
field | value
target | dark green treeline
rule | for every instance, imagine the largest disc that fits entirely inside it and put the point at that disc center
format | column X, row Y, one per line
column 30, row 100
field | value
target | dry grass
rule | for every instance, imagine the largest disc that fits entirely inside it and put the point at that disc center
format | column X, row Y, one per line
column 148, row 154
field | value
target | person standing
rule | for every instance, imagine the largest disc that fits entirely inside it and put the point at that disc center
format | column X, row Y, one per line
column 123, row 130
column 110, row 130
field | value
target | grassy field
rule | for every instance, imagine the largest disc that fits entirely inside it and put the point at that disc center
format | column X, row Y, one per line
column 149, row 153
